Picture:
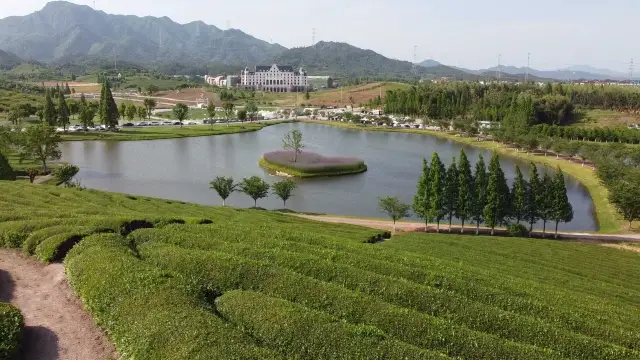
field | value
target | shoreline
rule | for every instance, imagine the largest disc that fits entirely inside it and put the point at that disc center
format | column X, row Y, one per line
column 606, row 215
column 289, row 173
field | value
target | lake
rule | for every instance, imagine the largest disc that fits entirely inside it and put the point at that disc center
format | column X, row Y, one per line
column 181, row 169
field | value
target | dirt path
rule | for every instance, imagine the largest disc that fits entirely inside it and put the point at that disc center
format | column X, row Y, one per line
column 57, row 327
column 414, row 226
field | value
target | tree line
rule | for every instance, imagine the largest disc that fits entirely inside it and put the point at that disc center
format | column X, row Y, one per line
column 483, row 196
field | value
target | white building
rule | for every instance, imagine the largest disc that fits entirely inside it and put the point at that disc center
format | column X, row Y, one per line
column 216, row 80
column 274, row 78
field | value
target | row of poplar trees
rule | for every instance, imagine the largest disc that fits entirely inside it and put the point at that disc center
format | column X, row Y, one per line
column 484, row 197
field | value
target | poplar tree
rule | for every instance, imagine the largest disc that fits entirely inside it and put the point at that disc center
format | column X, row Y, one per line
column 109, row 114
column 451, row 187
column 561, row 209
column 496, row 209
column 534, row 191
column 63, row 111
column 543, row 201
column 518, row 196
column 464, row 208
column 49, row 111
column 421, row 201
column 437, row 175
column 480, row 180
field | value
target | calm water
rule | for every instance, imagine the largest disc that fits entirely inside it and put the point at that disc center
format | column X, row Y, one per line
column 181, row 169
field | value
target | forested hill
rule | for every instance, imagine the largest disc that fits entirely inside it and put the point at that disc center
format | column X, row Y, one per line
column 341, row 59
column 62, row 29
column 9, row 60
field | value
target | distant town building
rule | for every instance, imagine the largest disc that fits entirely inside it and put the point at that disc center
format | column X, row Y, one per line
column 274, row 78
column 232, row 81
column 321, row 82
column 216, row 80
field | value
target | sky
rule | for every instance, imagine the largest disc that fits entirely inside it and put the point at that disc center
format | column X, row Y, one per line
column 464, row 33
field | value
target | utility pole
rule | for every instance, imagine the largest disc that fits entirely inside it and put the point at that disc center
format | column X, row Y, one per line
column 526, row 76
column 631, row 67
column 115, row 60
column 313, row 37
column 415, row 60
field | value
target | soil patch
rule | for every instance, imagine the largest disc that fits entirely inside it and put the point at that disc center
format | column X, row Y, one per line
column 57, row 327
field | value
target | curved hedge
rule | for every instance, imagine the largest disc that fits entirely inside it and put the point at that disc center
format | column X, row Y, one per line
column 311, row 164
column 11, row 328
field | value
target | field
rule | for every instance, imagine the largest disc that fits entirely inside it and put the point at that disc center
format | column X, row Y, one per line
column 605, row 118
column 230, row 283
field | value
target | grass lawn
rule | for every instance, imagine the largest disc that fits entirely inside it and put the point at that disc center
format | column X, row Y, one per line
column 608, row 218
column 255, row 284
column 605, row 118
column 166, row 132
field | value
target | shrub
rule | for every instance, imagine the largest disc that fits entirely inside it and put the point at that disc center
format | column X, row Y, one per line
column 13, row 239
column 65, row 173
column 517, row 230
column 6, row 172
column 56, row 247
column 11, row 329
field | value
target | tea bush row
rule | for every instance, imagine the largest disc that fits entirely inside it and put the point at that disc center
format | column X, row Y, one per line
column 11, row 330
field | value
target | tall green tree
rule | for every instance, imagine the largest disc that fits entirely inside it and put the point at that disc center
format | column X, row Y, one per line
column 533, row 198
column 464, row 206
column 624, row 194
column 122, row 110
column 131, row 112
column 242, row 115
column 74, row 107
column 109, row 114
column 394, row 208
column 50, row 114
column 421, row 200
column 150, row 104
column 451, row 190
column 544, row 201
column 561, row 209
column 518, row 196
column 252, row 110
column 63, row 111
column 180, row 112
column 40, row 143
column 255, row 187
column 497, row 208
column 437, row 175
column 211, row 111
column 224, row 186
column 142, row 112
column 227, row 107
column 86, row 115
column 6, row 172
column 284, row 190
column 480, row 182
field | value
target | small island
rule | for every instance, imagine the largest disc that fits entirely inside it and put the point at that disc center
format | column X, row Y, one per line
column 293, row 162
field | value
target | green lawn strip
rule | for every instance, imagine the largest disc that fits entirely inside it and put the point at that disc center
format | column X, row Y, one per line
column 608, row 219
column 281, row 325
column 432, row 301
column 222, row 272
column 336, row 170
column 115, row 286
column 11, row 331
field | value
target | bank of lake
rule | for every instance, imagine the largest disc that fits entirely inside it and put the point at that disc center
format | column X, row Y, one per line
column 608, row 219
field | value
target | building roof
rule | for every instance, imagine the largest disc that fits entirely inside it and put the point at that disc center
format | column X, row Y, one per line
column 284, row 68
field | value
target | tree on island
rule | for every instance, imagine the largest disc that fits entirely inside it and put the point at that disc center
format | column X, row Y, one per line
column 395, row 209
column 150, row 104
column 255, row 187
column 561, row 209
column 224, row 186
column 421, row 201
column 40, row 142
column 293, row 141
column 284, row 190
column 227, row 107
column 180, row 111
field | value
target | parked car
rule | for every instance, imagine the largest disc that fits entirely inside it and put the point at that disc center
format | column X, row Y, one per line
column 154, row 123
column 141, row 123
column 191, row 123
column 127, row 124
column 167, row 123
column 176, row 123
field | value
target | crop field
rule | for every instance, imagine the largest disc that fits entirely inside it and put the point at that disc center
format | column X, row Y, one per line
column 168, row 280
column 605, row 118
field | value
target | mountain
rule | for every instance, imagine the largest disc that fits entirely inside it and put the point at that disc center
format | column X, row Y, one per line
column 583, row 72
column 429, row 63
column 65, row 30
column 335, row 58
column 596, row 71
column 9, row 60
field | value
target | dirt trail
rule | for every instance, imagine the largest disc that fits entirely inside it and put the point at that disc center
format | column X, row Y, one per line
column 57, row 327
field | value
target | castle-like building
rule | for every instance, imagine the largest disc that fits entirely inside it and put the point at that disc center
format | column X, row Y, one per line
column 274, row 78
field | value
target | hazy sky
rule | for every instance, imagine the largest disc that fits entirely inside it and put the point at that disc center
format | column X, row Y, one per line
column 466, row 33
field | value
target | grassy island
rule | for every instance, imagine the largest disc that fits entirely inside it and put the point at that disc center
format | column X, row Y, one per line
column 309, row 164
